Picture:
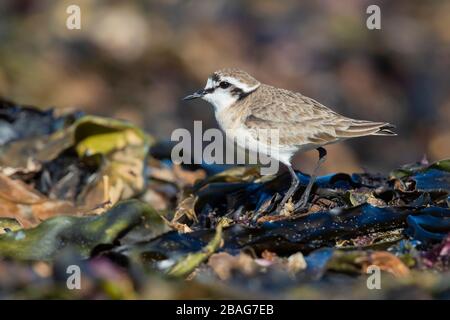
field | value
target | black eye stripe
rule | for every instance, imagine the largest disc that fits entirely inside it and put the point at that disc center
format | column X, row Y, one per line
column 240, row 93
column 237, row 91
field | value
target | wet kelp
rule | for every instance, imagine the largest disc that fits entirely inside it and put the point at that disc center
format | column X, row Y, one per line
column 102, row 194
column 321, row 229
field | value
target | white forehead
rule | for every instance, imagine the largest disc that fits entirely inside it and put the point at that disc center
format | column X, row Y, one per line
column 210, row 84
column 235, row 82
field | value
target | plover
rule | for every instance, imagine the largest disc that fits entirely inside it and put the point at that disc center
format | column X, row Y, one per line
column 243, row 105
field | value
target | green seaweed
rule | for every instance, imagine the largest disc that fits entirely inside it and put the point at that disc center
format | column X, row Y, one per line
column 192, row 260
column 81, row 233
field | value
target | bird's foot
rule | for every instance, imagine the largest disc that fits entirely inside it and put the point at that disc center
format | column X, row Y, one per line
column 285, row 201
column 302, row 205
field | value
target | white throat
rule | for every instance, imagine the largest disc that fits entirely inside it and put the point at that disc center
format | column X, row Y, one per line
column 222, row 99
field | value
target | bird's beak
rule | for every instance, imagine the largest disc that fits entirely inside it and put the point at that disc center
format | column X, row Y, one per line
column 198, row 94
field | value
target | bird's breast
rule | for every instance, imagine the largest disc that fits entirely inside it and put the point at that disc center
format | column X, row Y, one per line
column 229, row 119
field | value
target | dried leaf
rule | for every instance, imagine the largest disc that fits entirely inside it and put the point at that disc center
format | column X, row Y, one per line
column 19, row 201
column 385, row 261
column 224, row 264
column 296, row 262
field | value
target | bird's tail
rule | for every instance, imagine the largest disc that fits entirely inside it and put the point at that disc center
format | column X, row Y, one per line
column 359, row 128
column 386, row 130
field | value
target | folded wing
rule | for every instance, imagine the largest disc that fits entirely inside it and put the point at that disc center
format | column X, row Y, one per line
column 302, row 121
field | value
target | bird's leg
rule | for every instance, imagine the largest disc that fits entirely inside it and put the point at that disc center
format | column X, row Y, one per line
column 302, row 203
column 294, row 185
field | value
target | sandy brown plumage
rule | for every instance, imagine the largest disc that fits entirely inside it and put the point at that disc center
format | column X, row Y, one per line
column 246, row 109
column 303, row 121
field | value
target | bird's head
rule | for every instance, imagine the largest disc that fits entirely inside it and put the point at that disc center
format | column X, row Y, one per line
column 225, row 87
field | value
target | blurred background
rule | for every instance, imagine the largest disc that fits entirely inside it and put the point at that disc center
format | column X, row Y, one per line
column 135, row 60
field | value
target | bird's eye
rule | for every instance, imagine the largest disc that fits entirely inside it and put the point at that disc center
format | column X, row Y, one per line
column 224, row 84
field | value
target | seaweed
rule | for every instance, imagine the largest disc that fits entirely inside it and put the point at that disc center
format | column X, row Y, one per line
column 102, row 194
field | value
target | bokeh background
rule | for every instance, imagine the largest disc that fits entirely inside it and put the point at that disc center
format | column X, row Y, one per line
column 135, row 60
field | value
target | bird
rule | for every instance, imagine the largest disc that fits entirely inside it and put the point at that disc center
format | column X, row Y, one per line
column 243, row 105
